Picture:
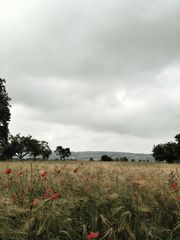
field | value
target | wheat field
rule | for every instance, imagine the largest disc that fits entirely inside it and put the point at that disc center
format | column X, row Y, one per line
column 61, row 200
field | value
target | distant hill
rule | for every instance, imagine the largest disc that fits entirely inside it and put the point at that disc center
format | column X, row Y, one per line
column 86, row 155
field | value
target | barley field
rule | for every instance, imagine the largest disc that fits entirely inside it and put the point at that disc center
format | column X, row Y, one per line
column 61, row 200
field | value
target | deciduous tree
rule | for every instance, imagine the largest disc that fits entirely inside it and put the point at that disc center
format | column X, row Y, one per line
column 21, row 145
column 5, row 116
column 45, row 150
column 62, row 152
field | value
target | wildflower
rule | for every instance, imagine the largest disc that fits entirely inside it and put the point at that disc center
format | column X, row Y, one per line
column 7, row 171
column 46, row 195
column 75, row 170
column 43, row 173
column 178, row 198
column 92, row 235
column 55, row 196
column 174, row 186
column 36, row 202
column 49, row 189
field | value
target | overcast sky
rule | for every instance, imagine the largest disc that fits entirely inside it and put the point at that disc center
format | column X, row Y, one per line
column 93, row 74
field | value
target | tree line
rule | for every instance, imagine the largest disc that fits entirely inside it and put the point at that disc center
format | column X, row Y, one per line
column 169, row 152
column 21, row 146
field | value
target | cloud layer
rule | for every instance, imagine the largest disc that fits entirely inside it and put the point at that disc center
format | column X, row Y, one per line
column 93, row 75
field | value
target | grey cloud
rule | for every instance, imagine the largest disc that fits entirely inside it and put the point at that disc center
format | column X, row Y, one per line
column 98, row 65
column 80, row 40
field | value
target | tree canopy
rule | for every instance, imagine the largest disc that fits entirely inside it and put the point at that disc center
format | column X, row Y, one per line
column 62, row 152
column 5, row 116
column 169, row 151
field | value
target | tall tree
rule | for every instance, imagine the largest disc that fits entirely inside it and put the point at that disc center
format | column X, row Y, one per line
column 158, row 152
column 45, row 150
column 62, row 152
column 5, row 115
column 177, row 139
column 21, row 145
column 165, row 152
column 170, row 151
column 34, row 148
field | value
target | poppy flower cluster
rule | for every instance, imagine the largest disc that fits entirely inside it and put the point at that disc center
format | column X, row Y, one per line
column 174, row 186
column 36, row 201
column 55, row 196
column 92, row 235
column 7, row 171
column 48, row 196
column 43, row 173
column 47, row 193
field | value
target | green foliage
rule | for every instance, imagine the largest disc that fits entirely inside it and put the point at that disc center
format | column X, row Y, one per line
column 106, row 158
column 4, row 116
column 45, row 150
column 34, row 148
column 63, row 152
column 21, row 146
column 169, row 151
column 124, row 159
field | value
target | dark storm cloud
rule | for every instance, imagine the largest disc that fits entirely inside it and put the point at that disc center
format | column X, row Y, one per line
column 92, row 39
column 101, row 66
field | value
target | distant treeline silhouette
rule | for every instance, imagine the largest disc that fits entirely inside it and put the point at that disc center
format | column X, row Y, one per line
column 22, row 146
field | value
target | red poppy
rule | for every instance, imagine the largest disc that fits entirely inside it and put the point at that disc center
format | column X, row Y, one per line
column 55, row 196
column 43, row 173
column 46, row 195
column 92, row 235
column 178, row 198
column 36, row 201
column 7, row 171
column 174, row 186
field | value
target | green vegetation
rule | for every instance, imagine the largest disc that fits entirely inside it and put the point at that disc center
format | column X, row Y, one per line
column 63, row 200
column 62, row 152
column 21, row 146
column 169, row 151
column 5, row 116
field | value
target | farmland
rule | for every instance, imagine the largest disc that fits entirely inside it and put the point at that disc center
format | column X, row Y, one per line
column 61, row 200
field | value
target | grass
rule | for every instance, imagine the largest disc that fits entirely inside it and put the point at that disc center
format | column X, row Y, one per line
column 120, row 201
